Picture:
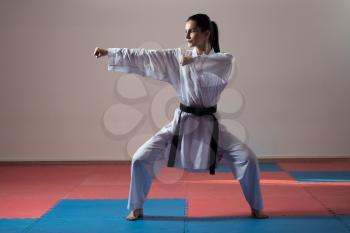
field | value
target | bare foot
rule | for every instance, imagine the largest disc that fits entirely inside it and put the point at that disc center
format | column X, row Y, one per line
column 259, row 214
column 135, row 214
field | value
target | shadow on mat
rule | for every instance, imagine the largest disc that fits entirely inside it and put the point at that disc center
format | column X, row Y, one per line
column 232, row 217
column 181, row 218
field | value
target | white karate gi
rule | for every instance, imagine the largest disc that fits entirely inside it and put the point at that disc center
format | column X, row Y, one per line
column 198, row 83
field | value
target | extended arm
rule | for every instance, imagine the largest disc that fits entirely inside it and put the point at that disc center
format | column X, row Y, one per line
column 162, row 64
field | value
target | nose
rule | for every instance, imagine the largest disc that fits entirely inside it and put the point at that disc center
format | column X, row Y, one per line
column 188, row 36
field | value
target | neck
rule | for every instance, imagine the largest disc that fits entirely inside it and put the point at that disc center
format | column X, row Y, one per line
column 203, row 49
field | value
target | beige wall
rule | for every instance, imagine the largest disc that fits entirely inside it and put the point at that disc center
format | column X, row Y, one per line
column 290, row 97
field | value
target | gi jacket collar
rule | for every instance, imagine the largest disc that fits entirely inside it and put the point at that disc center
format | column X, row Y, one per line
column 194, row 52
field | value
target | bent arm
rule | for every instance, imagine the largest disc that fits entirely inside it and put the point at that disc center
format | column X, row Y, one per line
column 222, row 65
column 231, row 69
column 160, row 64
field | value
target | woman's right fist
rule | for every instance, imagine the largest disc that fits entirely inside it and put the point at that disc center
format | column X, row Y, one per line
column 100, row 52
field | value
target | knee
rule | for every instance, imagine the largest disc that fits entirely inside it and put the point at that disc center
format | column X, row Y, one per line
column 135, row 161
column 249, row 154
column 243, row 153
column 137, row 157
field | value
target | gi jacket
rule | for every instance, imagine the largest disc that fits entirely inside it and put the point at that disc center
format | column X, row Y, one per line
column 198, row 83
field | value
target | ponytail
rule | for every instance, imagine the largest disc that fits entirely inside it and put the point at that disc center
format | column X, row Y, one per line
column 214, row 36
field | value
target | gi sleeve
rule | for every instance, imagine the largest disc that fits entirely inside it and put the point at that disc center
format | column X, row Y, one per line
column 231, row 68
column 221, row 65
column 162, row 64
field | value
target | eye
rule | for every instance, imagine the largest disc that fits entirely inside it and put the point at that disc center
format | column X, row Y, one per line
column 191, row 30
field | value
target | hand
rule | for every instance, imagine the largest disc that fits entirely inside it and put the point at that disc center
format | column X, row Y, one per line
column 100, row 52
column 184, row 60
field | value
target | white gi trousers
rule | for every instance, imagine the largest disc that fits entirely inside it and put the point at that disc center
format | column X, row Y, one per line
column 151, row 157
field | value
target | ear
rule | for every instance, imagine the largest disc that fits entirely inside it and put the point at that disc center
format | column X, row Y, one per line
column 207, row 33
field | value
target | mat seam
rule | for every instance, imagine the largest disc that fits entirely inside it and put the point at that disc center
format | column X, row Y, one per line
column 334, row 214
column 40, row 219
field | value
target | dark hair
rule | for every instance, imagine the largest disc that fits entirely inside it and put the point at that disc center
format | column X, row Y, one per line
column 204, row 23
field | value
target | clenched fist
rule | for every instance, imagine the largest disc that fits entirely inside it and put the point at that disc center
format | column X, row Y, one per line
column 100, row 52
column 184, row 60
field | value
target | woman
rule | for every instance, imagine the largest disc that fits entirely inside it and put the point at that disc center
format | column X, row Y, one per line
column 194, row 137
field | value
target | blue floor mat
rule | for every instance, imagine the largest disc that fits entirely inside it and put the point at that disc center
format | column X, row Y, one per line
column 224, row 167
column 345, row 219
column 108, row 215
column 270, row 167
column 15, row 225
column 161, row 215
column 272, row 225
column 322, row 176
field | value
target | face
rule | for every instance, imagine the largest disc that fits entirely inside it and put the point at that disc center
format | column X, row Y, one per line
column 194, row 36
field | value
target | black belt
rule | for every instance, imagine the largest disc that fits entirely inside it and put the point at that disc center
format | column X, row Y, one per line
column 198, row 111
